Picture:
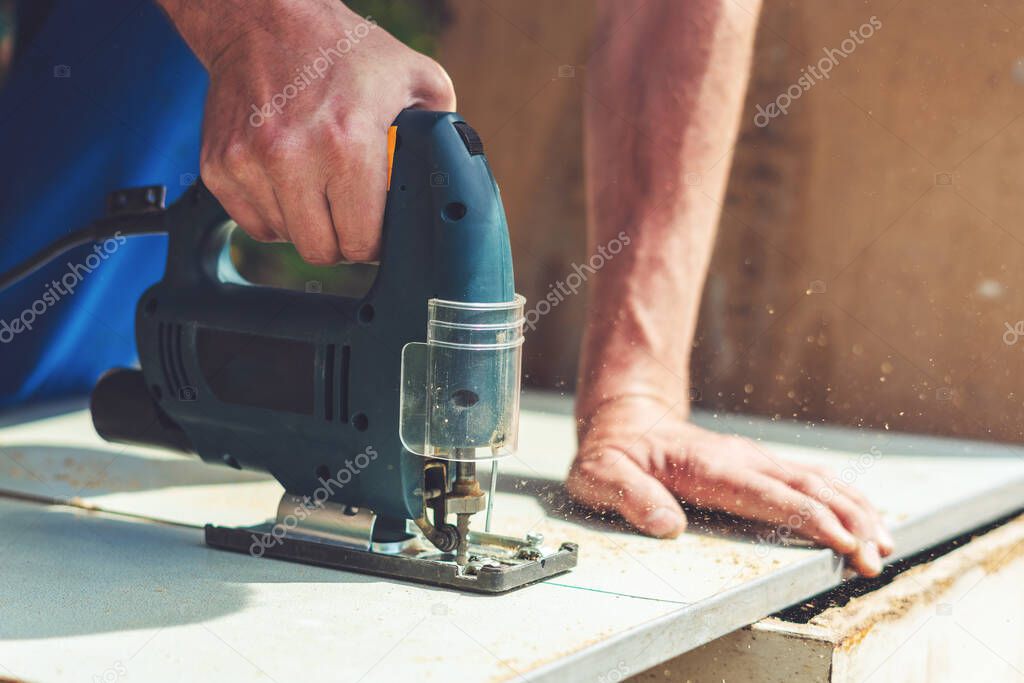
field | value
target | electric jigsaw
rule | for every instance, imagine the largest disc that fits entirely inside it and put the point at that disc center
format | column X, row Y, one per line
column 373, row 413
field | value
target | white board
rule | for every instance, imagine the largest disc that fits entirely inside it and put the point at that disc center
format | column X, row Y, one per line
column 133, row 589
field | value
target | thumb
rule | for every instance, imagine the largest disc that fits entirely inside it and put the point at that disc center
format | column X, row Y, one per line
column 611, row 480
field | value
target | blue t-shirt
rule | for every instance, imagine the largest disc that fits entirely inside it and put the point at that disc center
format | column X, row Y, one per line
column 100, row 96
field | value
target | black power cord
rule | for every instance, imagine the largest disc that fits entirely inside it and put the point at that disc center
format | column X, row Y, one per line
column 148, row 221
column 44, row 256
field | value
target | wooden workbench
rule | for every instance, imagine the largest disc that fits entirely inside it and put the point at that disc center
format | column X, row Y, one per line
column 105, row 574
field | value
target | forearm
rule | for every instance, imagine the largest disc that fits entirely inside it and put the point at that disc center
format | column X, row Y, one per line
column 211, row 26
column 662, row 115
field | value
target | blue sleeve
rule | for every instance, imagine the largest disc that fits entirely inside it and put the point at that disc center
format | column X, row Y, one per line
column 105, row 96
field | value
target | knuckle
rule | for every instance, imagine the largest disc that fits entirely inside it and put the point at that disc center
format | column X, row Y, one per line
column 859, row 523
column 347, row 130
column 212, row 173
column 816, row 510
column 583, row 474
column 819, row 521
column 850, row 521
column 357, row 247
column 235, row 158
column 582, row 483
column 844, row 504
column 360, row 255
column 318, row 254
column 812, row 526
column 439, row 82
column 704, row 469
column 809, row 484
column 207, row 159
column 281, row 151
column 215, row 180
column 277, row 226
column 576, row 486
column 260, row 233
column 318, row 258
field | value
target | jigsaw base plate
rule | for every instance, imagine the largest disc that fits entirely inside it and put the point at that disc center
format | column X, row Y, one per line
column 497, row 563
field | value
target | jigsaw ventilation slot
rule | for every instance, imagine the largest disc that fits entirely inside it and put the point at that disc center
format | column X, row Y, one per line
column 336, row 365
column 171, row 362
column 329, row 383
column 343, row 370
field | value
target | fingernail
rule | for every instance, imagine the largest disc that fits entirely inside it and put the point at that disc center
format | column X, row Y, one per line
column 664, row 522
column 869, row 555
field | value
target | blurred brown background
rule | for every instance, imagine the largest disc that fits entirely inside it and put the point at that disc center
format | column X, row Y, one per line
column 868, row 259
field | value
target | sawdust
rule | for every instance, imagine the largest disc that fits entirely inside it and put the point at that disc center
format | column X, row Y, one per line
column 78, row 475
column 854, row 639
column 993, row 564
column 862, row 615
column 922, row 585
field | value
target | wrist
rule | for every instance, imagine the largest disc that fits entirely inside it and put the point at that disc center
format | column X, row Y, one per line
column 211, row 28
column 614, row 367
column 651, row 380
column 208, row 28
column 595, row 417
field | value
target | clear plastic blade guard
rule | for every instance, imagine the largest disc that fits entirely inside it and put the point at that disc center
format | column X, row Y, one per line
column 460, row 389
